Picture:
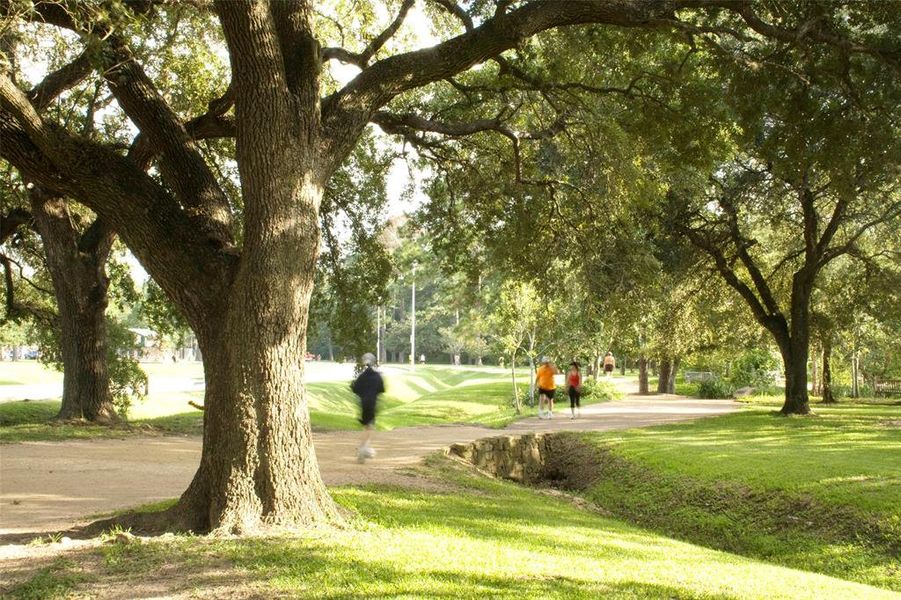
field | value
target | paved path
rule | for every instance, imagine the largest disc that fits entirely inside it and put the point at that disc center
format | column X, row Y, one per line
column 47, row 486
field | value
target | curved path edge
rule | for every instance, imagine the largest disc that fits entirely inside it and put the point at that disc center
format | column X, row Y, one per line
column 50, row 486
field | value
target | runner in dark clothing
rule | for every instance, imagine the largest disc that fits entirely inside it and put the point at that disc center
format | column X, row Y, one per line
column 368, row 385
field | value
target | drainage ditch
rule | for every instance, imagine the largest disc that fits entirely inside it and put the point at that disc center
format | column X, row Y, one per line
column 556, row 460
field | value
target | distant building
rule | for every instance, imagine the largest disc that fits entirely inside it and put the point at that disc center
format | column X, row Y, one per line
column 146, row 343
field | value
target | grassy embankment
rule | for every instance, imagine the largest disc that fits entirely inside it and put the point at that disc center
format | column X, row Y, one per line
column 428, row 395
column 822, row 493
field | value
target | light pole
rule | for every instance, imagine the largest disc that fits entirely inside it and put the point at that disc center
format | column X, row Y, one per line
column 413, row 321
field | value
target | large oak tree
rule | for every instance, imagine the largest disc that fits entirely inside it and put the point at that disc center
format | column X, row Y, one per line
column 247, row 302
column 75, row 256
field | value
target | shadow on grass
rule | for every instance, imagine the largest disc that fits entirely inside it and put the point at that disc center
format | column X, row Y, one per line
column 120, row 570
column 351, row 578
column 488, row 539
column 814, row 492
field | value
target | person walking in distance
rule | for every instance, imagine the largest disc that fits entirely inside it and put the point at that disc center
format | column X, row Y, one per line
column 609, row 363
column 574, row 387
column 544, row 377
column 368, row 385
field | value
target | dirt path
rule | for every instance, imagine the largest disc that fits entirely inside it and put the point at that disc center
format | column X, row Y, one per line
column 48, row 486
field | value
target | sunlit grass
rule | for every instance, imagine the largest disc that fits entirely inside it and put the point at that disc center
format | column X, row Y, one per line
column 486, row 539
column 789, row 453
column 23, row 372
column 808, row 491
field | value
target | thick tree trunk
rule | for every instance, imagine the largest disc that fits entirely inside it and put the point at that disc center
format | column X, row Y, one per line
column 86, row 389
column 671, row 382
column 258, row 468
column 795, row 349
column 664, row 375
column 828, row 396
column 78, row 272
column 855, row 375
column 643, row 375
column 796, row 397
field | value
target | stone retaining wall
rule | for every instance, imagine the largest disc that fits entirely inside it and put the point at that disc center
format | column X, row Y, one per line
column 521, row 458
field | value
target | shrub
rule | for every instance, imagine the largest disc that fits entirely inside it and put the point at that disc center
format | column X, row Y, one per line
column 754, row 368
column 715, row 388
column 590, row 387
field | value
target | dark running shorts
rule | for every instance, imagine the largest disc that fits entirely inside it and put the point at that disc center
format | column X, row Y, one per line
column 549, row 393
column 368, row 417
column 608, row 368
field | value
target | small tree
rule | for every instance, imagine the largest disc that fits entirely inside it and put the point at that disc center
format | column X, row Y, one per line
column 515, row 322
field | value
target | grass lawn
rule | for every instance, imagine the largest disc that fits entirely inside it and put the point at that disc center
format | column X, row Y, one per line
column 429, row 395
column 822, row 492
column 479, row 539
column 22, row 372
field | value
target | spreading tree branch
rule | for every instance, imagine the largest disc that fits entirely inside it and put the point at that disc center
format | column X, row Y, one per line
column 457, row 11
column 60, row 80
column 402, row 123
column 741, row 248
column 810, row 29
column 181, row 164
column 361, row 59
column 12, row 221
column 892, row 212
column 211, row 124
column 773, row 321
column 347, row 111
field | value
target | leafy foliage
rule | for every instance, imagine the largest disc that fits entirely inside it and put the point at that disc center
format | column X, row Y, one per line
column 162, row 316
column 753, row 368
column 715, row 387
column 128, row 381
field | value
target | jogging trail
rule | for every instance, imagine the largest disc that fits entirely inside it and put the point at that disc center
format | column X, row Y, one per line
column 49, row 486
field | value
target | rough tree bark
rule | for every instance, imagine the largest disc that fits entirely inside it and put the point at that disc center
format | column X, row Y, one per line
column 664, row 376
column 77, row 265
column 643, row 387
column 828, row 396
column 671, row 382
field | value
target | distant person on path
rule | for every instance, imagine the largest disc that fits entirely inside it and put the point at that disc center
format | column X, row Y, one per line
column 546, row 388
column 609, row 363
column 368, row 385
column 574, row 387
